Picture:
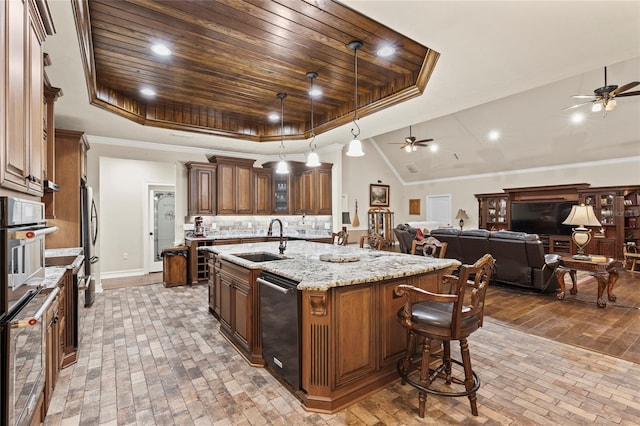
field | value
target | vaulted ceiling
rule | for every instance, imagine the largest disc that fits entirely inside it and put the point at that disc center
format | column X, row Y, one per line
column 230, row 58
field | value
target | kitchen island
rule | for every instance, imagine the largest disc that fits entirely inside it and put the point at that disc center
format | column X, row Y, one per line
column 350, row 338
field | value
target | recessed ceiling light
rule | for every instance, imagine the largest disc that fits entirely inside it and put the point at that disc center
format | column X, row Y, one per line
column 274, row 117
column 148, row 92
column 433, row 147
column 494, row 135
column 385, row 51
column 315, row 92
column 161, row 49
column 577, row 117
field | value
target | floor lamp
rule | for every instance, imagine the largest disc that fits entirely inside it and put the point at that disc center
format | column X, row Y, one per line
column 581, row 216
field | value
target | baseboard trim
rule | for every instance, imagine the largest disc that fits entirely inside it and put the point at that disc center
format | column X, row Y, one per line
column 122, row 274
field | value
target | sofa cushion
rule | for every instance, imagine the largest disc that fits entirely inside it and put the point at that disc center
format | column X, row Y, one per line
column 474, row 244
column 449, row 236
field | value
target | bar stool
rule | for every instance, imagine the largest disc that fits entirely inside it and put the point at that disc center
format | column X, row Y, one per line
column 443, row 317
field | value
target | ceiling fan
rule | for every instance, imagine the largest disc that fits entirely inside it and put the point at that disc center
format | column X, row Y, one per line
column 605, row 96
column 411, row 144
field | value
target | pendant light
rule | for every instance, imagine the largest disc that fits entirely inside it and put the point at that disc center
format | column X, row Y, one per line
column 355, row 146
column 312, row 159
column 282, row 168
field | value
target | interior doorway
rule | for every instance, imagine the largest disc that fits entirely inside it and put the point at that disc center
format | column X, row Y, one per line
column 162, row 214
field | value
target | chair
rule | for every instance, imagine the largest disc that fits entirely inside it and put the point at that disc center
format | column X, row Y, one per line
column 434, row 248
column 443, row 317
column 375, row 241
column 631, row 256
column 340, row 238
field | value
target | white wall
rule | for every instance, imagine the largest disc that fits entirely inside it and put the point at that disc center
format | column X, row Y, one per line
column 123, row 205
column 606, row 173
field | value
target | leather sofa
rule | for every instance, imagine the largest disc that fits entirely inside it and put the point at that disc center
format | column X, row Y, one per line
column 520, row 258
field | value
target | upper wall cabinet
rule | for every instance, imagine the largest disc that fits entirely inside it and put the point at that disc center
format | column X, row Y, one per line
column 21, row 38
column 234, row 184
column 312, row 190
column 262, row 191
column 201, row 179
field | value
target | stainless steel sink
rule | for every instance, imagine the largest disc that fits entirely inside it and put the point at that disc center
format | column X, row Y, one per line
column 261, row 256
column 59, row 260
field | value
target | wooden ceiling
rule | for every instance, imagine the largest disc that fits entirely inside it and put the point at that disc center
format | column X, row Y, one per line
column 230, row 58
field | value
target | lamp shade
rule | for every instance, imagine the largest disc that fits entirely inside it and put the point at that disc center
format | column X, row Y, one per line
column 355, row 149
column 346, row 220
column 313, row 160
column 282, row 168
column 462, row 214
column 582, row 216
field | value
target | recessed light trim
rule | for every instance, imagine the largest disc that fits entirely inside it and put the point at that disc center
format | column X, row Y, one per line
column 386, row 51
column 161, row 49
column 274, row 117
column 433, row 147
column 494, row 135
column 148, row 91
column 577, row 117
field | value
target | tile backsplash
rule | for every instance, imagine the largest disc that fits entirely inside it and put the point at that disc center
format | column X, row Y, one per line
column 258, row 225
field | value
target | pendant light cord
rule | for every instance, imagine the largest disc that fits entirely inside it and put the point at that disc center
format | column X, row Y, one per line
column 313, row 135
column 281, row 96
column 355, row 46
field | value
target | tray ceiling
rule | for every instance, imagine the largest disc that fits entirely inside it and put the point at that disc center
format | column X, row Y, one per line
column 230, row 58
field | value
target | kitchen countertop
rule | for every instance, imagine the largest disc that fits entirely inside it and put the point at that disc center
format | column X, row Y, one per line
column 302, row 263
column 259, row 233
column 53, row 274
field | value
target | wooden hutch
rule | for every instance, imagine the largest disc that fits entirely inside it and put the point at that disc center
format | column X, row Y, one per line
column 617, row 209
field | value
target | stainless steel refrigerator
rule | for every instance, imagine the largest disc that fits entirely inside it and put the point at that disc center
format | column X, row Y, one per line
column 89, row 228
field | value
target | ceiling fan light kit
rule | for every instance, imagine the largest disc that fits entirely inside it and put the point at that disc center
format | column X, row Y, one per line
column 355, row 146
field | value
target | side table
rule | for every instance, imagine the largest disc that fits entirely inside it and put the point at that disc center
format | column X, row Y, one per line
column 606, row 273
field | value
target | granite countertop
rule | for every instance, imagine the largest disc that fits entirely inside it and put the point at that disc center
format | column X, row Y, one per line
column 302, row 234
column 53, row 274
column 302, row 263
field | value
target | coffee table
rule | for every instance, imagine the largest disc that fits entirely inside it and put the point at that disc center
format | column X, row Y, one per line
column 606, row 273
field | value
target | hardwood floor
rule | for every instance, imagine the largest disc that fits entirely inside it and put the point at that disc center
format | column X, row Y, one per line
column 576, row 320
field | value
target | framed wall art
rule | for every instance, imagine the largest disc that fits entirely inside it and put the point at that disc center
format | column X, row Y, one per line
column 414, row 206
column 378, row 195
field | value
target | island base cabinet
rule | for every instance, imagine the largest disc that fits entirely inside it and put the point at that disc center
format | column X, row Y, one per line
column 239, row 309
column 351, row 340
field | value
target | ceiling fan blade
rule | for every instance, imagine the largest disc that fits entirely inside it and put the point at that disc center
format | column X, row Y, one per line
column 622, row 95
column 624, row 88
column 578, row 105
column 422, row 142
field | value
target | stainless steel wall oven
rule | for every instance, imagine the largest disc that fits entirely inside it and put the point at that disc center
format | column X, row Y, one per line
column 23, row 302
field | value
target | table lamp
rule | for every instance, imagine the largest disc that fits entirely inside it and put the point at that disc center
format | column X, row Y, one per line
column 462, row 215
column 581, row 216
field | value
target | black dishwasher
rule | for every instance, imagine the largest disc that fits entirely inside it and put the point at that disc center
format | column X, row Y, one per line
column 279, row 316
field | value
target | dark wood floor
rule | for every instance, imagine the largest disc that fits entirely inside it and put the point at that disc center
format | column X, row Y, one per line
column 576, row 320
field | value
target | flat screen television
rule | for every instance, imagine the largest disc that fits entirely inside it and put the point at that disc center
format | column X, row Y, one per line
column 541, row 217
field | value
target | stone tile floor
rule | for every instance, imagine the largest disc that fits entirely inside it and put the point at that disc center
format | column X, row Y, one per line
column 153, row 356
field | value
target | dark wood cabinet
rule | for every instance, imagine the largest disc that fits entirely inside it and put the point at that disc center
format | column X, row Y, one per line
column 312, row 189
column 239, row 308
column 23, row 162
column 201, row 197
column 234, row 184
column 493, row 213
column 70, row 159
column 262, row 203
column 632, row 217
column 616, row 208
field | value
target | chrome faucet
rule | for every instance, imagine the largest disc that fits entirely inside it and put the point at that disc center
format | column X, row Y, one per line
column 283, row 244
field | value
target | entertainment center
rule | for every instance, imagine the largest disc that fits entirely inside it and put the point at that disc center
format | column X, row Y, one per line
column 542, row 209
